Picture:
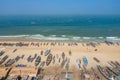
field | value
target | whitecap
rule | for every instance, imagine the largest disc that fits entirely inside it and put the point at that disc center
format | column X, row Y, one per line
column 86, row 37
column 76, row 38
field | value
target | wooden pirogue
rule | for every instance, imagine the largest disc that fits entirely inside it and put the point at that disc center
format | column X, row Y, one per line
column 49, row 59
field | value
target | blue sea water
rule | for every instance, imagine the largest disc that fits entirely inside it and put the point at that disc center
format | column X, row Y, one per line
column 61, row 27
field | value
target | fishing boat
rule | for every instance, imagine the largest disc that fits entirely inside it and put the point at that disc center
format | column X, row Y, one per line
column 67, row 75
column 9, row 62
column 97, row 77
column 49, row 59
column 42, row 64
column 96, row 59
column 37, row 61
column 114, row 70
column 63, row 63
column 111, row 64
column 14, row 50
column 3, row 59
column 35, row 56
column 85, row 60
column 53, row 59
column 63, row 55
column 29, row 58
column 67, row 66
column 70, row 53
column 47, row 51
column 105, row 73
column 17, row 58
column 85, row 73
column 22, row 56
column 41, row 52
column 77, row 62
column 117, row 78
column 1, row 53
column 117, row 63
column 114, row 64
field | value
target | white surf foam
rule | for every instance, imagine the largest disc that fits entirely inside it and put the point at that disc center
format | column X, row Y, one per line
column 113, row 39
column 64, row 37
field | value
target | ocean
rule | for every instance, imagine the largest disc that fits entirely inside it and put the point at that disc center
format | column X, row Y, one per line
column 62, row 27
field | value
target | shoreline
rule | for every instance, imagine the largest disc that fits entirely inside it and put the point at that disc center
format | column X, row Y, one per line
column 65, row 38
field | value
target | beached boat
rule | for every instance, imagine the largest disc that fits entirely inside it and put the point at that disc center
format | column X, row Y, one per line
column 49, row 59
column 22, row 56
column 67, row 66
column 85, row 60
column 114, row 70
column 47, row 51
column 14, row 50
column 41, row 52
column 17, row 58
column 70, row 53
column 37, row 61
column 111, row 64
column 63, row 55
column 67, row 75
column 3, row 59
column 42, row 64
column 117, row 63
column 9, row 62
column 97, row 77
column 77, row 62
column 96, row 59
column 63, row 63
column 85, row 73
column 1, row 53
column 117, row 78
column 29, row 58
column 114, row 64
column 35, row 56
column 105, row 73
column 53, row 60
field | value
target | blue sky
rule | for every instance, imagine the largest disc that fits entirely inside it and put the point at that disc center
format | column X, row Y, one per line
column 59, row 7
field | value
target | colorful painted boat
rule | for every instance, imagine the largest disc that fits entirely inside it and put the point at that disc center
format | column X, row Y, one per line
column 85, row 60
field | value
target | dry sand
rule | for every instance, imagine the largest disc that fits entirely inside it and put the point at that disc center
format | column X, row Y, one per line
column 104, row 53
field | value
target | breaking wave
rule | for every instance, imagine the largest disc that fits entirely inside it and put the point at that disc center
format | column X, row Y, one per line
column 64, row 38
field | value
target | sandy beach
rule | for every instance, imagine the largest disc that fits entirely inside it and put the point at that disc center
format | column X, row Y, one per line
column 104, row 52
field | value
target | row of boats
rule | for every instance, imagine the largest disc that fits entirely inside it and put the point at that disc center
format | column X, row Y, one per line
column 48, row 60
column 10, row 61
column 109, row 72
column 1, row 52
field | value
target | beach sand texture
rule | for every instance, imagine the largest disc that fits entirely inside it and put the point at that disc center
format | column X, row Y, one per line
column 105, row 53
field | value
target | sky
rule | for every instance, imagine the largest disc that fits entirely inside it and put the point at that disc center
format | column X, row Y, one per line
column 59, row 7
